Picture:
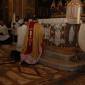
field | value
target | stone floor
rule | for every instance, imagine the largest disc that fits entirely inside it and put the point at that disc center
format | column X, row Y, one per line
column 32, row 75
column 13, row 74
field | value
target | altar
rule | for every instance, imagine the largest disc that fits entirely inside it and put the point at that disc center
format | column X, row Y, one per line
column 62, row 48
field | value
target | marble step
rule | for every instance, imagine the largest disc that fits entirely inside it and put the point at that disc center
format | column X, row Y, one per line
column 57, row 55
column 62, row 65
column 62, row 56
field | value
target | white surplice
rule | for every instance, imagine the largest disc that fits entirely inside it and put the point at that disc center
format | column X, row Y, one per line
column 21, row 32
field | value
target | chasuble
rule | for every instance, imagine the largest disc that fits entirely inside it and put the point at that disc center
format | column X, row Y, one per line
column 32, row 46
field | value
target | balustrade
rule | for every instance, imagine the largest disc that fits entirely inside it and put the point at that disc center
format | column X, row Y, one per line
column 60, row 34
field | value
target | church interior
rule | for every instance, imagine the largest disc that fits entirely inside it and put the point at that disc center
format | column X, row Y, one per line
column 42, row 42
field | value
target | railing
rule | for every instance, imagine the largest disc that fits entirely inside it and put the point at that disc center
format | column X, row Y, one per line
column 60, row 34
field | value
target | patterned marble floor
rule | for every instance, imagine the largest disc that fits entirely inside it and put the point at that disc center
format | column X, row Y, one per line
column 39, row 74
column 28, row 74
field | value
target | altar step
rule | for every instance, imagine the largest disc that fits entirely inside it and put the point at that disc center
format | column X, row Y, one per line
column 57, row 55
column 62, row 62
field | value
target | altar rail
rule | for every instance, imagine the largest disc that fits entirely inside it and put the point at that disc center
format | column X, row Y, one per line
column 59, row 33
